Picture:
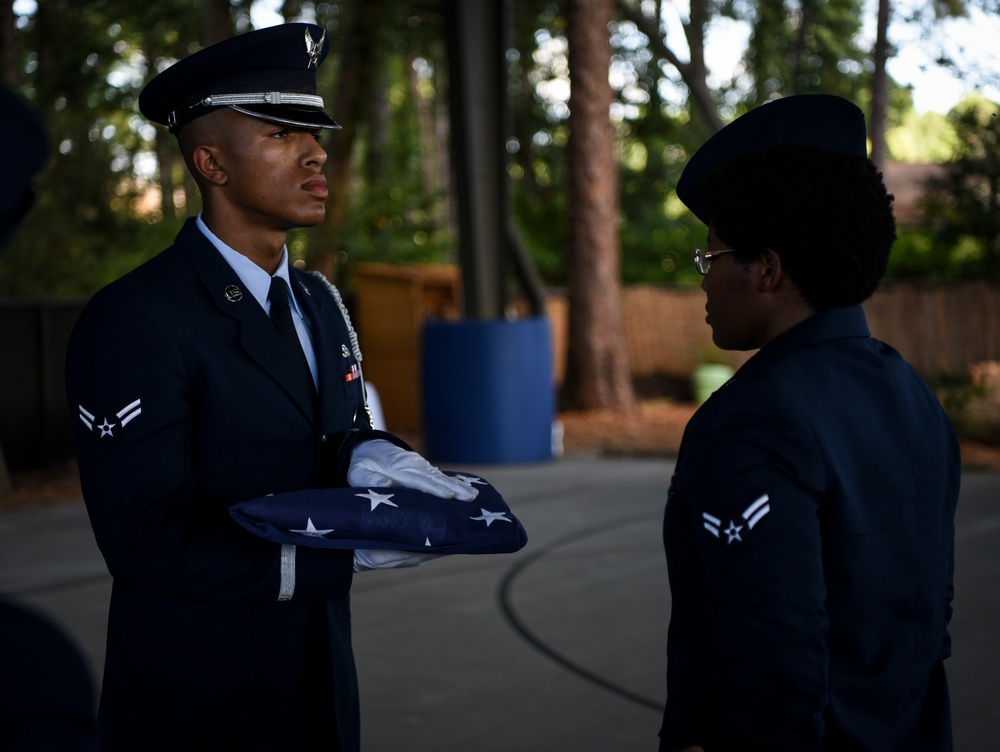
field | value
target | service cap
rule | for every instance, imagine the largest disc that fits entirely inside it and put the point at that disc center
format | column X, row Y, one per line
column 822, row 120
column 268, row 74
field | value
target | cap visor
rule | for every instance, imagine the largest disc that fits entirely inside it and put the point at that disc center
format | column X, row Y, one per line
column 297, row 116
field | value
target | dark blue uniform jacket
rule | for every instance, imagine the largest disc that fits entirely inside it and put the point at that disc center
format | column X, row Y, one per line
column 180, row 391
column 809, row 534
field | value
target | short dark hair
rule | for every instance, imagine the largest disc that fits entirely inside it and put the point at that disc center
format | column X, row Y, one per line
column 828, row 215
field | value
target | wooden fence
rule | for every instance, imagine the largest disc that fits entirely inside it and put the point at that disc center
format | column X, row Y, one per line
column 34, row 421
column 935, row 327
column 941, row 327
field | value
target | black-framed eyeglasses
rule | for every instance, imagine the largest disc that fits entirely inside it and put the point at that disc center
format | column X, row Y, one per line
column 703, row 259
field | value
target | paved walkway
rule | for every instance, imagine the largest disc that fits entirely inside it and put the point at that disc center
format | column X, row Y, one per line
column 557, row 648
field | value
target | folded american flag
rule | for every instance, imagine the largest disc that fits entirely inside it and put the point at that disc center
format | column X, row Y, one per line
column 397, row 519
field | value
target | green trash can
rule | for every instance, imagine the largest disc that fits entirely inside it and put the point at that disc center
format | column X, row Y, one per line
column 707, row 378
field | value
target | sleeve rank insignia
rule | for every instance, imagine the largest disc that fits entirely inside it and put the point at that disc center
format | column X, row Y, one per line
column 736, row 529
column 106, row 427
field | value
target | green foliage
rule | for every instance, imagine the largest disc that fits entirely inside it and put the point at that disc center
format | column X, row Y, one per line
column 99, row 214
column 915, row 257
column 658, row 236
column 654, row 141
column 804, row 47
column 393, row 221
column 962, row 205
column 921, row 138
column 398, row 206
column 539, row 200
column 537, row 167
column 392, row 216
column 959, row 394
column 82, row 75
column 955, row 390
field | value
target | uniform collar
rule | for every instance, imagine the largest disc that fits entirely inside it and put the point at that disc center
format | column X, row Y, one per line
column 831, row 323
column 254, row 279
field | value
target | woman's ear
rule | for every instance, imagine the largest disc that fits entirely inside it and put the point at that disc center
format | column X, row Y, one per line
column 771, row 270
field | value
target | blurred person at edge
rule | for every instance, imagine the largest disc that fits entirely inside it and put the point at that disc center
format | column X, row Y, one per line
column 809, row 527
column 46, row 688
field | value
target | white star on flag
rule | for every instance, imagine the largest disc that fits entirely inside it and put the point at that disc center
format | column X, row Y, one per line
column 490, row 517
column 312, row 531
column 377, row 498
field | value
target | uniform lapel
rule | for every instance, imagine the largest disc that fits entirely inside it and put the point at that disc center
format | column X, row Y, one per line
column 330, row 343
column 258, row 337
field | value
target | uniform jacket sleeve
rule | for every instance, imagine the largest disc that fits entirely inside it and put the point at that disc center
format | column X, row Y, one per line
column 746, row 557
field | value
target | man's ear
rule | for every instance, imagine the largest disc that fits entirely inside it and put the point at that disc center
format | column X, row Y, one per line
column 771, row 271
column 206, row 163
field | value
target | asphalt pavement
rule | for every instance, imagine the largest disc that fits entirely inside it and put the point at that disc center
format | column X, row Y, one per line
column 559, row 647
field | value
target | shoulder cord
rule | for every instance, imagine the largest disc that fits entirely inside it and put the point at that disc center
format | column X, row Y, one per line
column 355, row 347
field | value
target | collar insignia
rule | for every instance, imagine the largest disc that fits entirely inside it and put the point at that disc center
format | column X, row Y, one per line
column 314, row 49
column 233, row 294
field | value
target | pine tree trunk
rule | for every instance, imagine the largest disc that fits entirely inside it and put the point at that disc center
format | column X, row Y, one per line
column 597, row 370
column 880, row 86
column 216, row 22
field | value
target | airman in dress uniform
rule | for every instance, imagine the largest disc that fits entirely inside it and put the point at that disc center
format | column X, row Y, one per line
column 809, row 528
column 216, row 373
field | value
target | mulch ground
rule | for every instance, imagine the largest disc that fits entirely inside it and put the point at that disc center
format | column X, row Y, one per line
column 654, row 430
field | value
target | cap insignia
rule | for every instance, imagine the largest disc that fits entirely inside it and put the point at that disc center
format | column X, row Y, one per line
column 314, row 49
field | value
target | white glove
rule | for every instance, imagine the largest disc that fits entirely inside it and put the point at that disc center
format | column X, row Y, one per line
column 365, row 560
column 379, row 463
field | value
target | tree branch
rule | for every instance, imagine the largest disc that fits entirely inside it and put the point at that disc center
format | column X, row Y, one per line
column 693, row 73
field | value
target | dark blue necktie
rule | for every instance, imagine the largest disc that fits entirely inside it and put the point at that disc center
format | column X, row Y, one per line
column 281, row 317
